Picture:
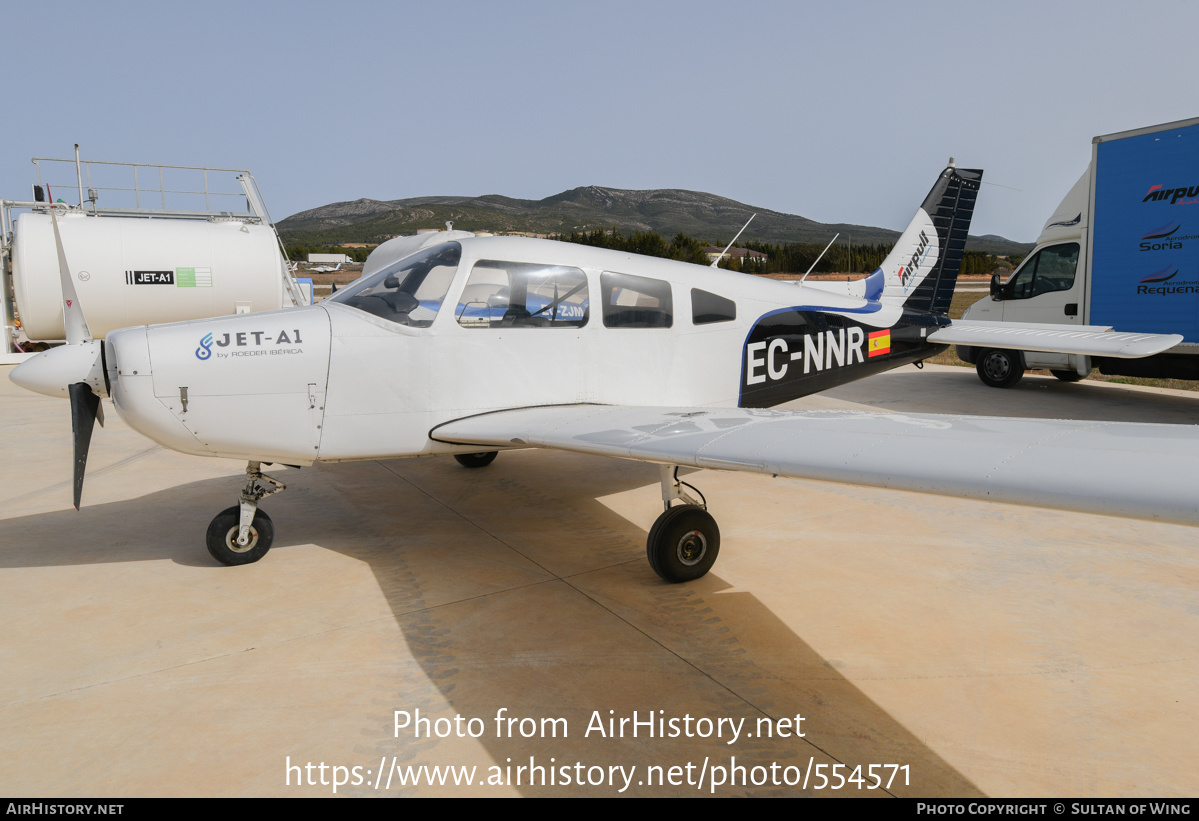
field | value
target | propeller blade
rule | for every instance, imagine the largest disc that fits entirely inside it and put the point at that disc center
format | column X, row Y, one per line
column 74, row 323
column 85, row 408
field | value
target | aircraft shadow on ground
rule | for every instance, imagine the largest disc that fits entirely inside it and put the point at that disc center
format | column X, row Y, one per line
column 959, row 391
column 515, row 588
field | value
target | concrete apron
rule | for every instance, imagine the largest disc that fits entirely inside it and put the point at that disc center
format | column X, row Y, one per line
column 968, row 648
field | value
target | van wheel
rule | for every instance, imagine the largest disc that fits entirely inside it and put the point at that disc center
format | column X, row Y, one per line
column 1068, row 376
column 998, row 368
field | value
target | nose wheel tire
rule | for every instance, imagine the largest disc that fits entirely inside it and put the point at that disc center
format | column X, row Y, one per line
column 476, row 460
column 222, row 537
column 683, row 543
column 998, row 368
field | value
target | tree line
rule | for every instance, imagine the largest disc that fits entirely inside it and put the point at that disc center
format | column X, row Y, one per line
column 647, row 243
column 780, row 258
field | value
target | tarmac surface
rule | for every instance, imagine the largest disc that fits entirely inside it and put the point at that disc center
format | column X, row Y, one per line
column 968, row 648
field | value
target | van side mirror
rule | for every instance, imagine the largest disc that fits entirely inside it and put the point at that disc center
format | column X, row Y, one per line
column 996, row 287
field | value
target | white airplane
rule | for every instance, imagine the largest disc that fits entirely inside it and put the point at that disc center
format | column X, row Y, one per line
column 472, row 345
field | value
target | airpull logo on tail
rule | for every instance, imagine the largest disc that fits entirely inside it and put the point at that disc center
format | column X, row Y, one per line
column 909, row 271
column 913, row 257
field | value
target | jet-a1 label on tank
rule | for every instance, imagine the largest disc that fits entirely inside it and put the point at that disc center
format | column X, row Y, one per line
column 149, row 277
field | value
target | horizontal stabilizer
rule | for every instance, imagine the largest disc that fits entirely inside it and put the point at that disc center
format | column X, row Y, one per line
column 1116, row 468
column 1090, row 340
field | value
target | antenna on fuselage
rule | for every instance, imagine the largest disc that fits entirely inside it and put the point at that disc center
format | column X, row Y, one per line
column 716, row 261
column 822, row 253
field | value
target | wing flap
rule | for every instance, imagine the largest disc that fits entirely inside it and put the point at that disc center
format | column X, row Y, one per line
column 1133, row 470
column 1090, row 340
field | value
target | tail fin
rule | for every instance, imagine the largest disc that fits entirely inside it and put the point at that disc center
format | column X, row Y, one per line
column 922, row 268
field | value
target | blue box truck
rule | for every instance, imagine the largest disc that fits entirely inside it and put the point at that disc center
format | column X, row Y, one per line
column 1122, row 250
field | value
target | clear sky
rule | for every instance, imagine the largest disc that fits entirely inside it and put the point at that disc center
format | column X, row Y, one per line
column 834, row 111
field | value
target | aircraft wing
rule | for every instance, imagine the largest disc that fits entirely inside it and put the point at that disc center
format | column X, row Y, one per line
column 1139, row 471
column 1091, row 340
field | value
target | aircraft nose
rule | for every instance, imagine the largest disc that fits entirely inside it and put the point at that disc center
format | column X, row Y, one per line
column 52, row 372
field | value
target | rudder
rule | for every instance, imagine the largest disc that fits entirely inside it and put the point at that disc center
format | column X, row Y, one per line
column 922, row 269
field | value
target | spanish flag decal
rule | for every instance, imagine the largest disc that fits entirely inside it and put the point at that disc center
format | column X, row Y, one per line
column 878, row 343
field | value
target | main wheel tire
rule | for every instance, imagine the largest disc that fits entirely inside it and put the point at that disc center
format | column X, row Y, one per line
column 999, row 368
column 476, row 460
column 683, row 543
column 222, row 537
column 1068, row 376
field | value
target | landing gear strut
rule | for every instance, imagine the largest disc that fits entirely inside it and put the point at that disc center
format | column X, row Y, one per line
column 242, row 534
column 684, row 541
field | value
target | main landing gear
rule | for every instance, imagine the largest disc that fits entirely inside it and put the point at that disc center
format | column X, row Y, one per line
column 684, row 541
column 242, row 534
column 476, row 460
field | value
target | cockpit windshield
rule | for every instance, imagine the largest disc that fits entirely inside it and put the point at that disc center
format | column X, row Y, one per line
column 409, row 291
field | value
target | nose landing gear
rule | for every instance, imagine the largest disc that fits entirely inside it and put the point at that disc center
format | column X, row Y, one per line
column 684, row 541
column 243, row 534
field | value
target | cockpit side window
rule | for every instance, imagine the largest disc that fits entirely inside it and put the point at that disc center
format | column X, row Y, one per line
column 408, row 292
column 523, row 295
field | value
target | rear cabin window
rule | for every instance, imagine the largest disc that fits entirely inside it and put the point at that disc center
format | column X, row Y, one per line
column 635, row 302
column 523, row 295
column 707, row 308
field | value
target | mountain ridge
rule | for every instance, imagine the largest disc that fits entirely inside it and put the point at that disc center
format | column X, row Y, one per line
column 668, row 211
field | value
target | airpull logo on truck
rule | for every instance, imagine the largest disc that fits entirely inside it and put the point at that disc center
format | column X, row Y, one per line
column 1159, row 193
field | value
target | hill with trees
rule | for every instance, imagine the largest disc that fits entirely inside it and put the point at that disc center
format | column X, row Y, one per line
column 666, row 212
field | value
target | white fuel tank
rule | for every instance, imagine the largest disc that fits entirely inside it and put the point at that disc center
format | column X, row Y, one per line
column 136, row 271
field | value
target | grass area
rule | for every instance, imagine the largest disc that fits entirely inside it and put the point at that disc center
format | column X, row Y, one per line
column 963, row 300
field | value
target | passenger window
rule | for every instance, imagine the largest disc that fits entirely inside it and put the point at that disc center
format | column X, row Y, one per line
column 1052, row 269
column 523, row 295
column 635, row 302
column 707, row 308
column 407, row 292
